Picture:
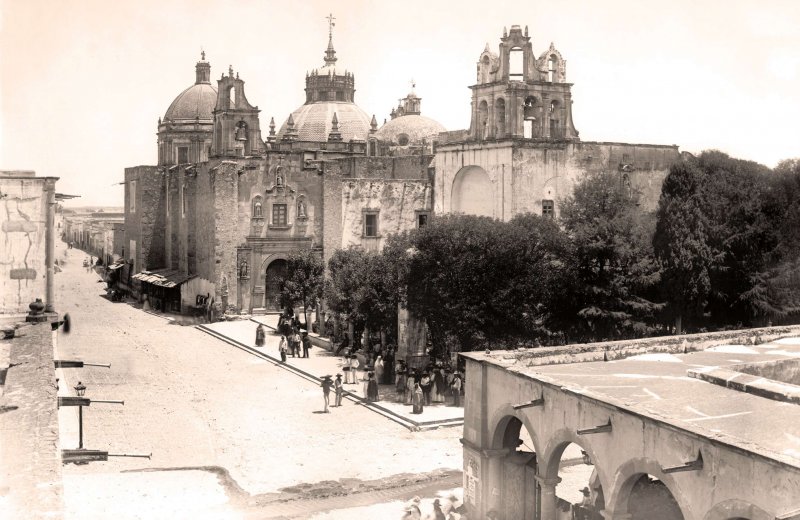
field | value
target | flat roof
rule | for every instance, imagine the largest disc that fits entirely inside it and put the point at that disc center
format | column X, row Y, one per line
column 657, row 385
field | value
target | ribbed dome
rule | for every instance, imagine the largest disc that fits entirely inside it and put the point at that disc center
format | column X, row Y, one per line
column 414, row 127
column 312, row 121
column 196, row 102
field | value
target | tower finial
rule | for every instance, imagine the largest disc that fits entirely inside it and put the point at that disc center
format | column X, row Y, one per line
column 202, row 54
column 330, row 54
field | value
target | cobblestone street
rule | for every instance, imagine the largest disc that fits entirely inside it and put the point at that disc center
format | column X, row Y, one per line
column 227, row 431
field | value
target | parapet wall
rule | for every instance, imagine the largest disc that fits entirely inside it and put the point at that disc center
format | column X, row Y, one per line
column 30, row 467
column 611, row 350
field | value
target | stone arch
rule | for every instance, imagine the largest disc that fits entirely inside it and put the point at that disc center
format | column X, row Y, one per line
column 627, row 475
column 737, row 509
column 472, row 192
column 501, row 426
column 556, row 445
column 271, row 267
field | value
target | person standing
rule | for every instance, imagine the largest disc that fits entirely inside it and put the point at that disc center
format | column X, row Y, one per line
column 282, row 348
column 439, row 385
column 338, row 387
column 306, row 344
column 456, row 388
column 326, row 391
column 426, row 385
column 400, row 386
column 372, row 388
column 260, row 336
column 411, row 381
column 379, row 368
column 418, row 399
column 295, row 343
column 438, row 514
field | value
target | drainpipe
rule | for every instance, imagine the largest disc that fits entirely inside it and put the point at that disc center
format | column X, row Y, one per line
column 49, row 248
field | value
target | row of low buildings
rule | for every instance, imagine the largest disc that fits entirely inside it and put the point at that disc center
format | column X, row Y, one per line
column 212, row 223
column 99, row 233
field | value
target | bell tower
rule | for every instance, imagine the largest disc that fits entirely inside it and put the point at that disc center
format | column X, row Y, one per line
column 236, row 125
column 517, row 96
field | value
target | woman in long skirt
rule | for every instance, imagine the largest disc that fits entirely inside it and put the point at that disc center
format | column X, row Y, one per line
column 260, row 335
column 400, row 386
column 372, row 388
column 379, row 370
column 410, row 383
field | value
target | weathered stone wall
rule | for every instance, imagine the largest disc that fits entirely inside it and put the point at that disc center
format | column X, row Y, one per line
column 30, row 472
column 145, row 224
column 23, row 217
column 523, row 173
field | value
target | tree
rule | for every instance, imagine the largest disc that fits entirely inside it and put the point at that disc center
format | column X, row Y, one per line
column 615, row 264
column 346, row 287
column 681, row 244
column 304, row 280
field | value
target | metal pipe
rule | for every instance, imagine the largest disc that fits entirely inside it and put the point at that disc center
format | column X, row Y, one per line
column 105, row 365
column 130, row 455
column 110, row 402
column 80, row 427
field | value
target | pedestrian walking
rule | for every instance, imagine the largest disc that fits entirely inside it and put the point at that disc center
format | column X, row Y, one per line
column 282, row 348
column 260, row 335
column 295, row 344
column 418, row 399
column 326, row 391
column 338, row 387
column 354, row 364
column 306, row 344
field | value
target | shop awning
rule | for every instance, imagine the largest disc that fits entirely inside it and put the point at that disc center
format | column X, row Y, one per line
column 163, row 277
column 114, row 267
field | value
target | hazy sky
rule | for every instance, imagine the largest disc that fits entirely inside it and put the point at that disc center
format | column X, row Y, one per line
column 84, row 82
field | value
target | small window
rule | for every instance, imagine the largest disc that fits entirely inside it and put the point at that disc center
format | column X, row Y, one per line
column 373, row 148
column 422, row 219
column 279, row 214
column 626, row 158
column 132, row 196
column 402, row 140
column 516, row 58
column 183, row 154
column 548, row 208
column 370, row 224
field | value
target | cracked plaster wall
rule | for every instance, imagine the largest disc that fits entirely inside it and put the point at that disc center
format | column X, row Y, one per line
column 23, row 207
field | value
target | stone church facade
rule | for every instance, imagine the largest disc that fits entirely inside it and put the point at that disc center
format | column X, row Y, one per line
column 211, row 225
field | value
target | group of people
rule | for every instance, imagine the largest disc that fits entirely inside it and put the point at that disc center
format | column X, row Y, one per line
column 451, row 510
column 435, row 384
column 338, row 388
column 287, row 344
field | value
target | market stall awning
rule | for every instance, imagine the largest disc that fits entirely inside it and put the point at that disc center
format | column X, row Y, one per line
column 163, row 277
column 114, row 267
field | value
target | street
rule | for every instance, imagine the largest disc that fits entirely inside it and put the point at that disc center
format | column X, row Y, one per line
column 227, row 431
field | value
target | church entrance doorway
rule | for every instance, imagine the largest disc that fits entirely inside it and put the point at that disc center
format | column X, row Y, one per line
column 276, row 273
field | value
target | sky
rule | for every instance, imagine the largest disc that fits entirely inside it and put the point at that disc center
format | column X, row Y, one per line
column 83, row 82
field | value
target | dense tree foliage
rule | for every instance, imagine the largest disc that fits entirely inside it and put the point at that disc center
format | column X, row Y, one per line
column 616, row 266
column 304, row 280
column 722, row 249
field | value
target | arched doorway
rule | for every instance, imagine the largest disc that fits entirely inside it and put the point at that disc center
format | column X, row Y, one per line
column 472, row 192
column 276, row 273
column 517, row 485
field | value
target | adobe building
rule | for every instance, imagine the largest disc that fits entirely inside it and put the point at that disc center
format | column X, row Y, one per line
column 647, row 448
column 27, row 235
column 522, row 147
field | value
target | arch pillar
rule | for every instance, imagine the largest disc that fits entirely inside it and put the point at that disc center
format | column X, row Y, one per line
column 547, row 497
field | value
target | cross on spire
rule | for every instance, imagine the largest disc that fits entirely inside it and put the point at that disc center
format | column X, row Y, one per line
column 330, row 54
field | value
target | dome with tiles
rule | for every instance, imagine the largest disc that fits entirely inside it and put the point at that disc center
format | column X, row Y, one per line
column 408, row 126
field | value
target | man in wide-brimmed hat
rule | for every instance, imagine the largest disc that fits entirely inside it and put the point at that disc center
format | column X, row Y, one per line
column 327, row 383
column 587, row 497
column 338, row 388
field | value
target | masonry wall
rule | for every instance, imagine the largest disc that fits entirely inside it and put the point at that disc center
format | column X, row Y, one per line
column 30, row 472
column 522, row 174
column 23, row 217
column 145, row 224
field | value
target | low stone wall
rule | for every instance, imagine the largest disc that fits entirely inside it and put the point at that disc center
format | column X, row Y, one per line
column 611, row 350
column 30, row 460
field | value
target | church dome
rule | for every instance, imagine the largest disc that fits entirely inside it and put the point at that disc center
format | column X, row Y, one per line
column 196, row 102
column 313, row 121
column 410, row 129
